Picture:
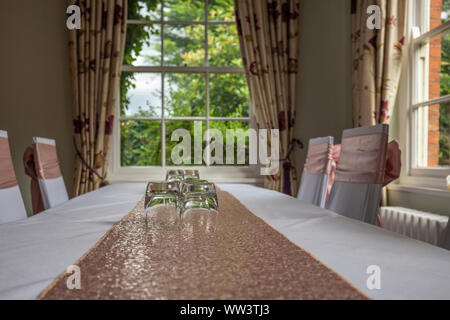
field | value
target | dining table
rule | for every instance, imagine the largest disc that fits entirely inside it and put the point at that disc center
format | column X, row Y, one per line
column 36, row 250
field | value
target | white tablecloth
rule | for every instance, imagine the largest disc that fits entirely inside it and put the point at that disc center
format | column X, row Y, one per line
column 33, row 252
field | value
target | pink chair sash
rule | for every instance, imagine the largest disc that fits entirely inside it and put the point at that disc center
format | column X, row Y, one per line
column 319, row 158
column 392, row 167
column 362, row 159
column 7, row 174
column 46, row 161
column 393, row 162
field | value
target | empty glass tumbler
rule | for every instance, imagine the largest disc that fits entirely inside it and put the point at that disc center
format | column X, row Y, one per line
column 174, row 175
column 191, row 175
column 162, row 193
column 198, row 194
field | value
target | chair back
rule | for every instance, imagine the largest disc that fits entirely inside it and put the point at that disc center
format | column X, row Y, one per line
column 51, row 182
column 11, row 202
column 356, row 192
column 446, row 243
column 314, row 181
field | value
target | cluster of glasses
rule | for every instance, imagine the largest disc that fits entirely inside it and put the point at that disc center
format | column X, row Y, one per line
column 184, row 190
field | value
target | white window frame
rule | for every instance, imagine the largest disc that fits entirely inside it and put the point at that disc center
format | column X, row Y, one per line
column 410, row 139
column 222, row 173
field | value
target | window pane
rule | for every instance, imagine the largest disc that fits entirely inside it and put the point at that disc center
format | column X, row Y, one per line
column 171, row 126
column 143, row 45
column 433, row 68
column 439, row 12
column 184, row 45
column 140, row 143
column 223, row 46
column 221, row 10
column 186, row 10
column 444, row 134
column 433, row 146
column 240, row 130
column 439, row 67
column 184, row 94
column 144, row 10
column 228, row 95
column 140, row 94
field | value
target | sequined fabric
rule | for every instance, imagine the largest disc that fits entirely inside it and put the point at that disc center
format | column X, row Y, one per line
column 232, row 255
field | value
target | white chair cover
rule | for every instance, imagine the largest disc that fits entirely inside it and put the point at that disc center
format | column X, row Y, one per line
column 316, row 173
column 51, row 182
column 11, row 202
column 356, row 192
column 446, row 243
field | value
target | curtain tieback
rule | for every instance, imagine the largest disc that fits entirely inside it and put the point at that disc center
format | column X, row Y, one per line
column 292, row 144
column 104, row 181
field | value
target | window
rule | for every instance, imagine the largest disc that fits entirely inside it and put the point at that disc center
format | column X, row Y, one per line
column 181, row 69
column 429, row 93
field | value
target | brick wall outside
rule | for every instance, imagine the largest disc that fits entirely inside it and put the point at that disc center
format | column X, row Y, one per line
column 434, row 85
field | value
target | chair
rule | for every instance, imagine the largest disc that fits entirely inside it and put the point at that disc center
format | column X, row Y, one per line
column 315, row 176
column 446, row 243
column 51, row 182
column 356, row 192
column 11, row 202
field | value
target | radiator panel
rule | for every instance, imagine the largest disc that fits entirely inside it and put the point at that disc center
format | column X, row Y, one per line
column 423, row 226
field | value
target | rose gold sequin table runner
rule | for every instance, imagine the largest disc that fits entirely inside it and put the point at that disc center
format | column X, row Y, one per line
column 236, row 256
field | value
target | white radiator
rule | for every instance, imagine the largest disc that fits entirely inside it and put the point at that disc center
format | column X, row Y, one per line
column 424, row 226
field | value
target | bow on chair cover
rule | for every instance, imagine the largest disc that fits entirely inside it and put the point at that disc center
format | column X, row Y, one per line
column 393, row 163
column 30, row 170
column 392, row 170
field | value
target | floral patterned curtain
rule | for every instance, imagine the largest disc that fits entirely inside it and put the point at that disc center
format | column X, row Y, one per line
column 96, row 52
column 269, row 34
column 377, row 58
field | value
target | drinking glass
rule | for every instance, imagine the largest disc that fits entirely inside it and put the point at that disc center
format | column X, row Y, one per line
column 198, row 194
column 191, row 175
column 162, row 193
column 174, row 175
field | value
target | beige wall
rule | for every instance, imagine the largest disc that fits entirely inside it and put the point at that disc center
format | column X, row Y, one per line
column 35, row 94
column 324, row 88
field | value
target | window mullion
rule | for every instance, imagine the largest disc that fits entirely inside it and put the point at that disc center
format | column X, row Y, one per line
column 431, row 102
column 163, row 77
column 207, row 75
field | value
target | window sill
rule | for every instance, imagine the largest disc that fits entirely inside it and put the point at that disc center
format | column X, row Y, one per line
column 420, row 190
column 244, row 175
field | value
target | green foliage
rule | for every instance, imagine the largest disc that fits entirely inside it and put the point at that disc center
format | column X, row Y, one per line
column 185, row 93
column 137, row 143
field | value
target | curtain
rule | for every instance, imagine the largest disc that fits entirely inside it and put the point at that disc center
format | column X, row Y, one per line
column 377, row 59
column 377, row 56
column 268, row 33
column 96, row 53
